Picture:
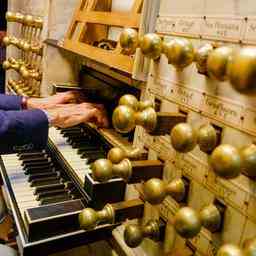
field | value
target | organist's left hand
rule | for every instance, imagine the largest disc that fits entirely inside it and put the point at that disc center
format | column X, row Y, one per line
column 55, row 100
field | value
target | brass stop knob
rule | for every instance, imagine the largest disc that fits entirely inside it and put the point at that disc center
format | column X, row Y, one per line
column 116, row 155
column 89, row 218
column 218, row 61
column 179, row 52
column 248, row 158
column 131, row 101
column 249, row 247
column 188, row 223
column 8, row 65
column 230, row 250
column 211, row 218
column 30, row 73
column 104, row 170
column 129, row 40
column 14, row 17
column 207, row 138
column 125, row 119
column 183, row 137
column 242, row 69
column 134, row 234
column 28, row 20
column 226, row 161
column 155, row 190
column 151, row 46
column 201, row 56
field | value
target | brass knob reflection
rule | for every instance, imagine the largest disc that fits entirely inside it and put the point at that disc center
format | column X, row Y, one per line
column 89, row 218
column 207, row 138
column 27, row 20
column 187, row 222
column 211, row 217
column 103, row 170
column 155, row 190
column 30, row 73
column 125, row 119
column 131, row 101
column 248, row 159
column 201, row 57
column 249, row 247
column 229, row 250
column 134, row 234
column 183, row 137
column 226, row 161
column 129, row 40
column 242, row 69
column 116, row 155
column 23, row 44
column 218, row 61
column 14, row 17
column 151, row 46
column 179, row 52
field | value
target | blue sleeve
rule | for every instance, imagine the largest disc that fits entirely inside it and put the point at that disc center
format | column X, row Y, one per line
column 23, row 130
column 10, row 102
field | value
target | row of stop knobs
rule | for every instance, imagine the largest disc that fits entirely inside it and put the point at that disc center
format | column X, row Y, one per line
column 226, row 160
column 187, row 223
column 238, row 65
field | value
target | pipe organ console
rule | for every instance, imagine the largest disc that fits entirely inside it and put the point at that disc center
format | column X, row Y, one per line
column 174, row 174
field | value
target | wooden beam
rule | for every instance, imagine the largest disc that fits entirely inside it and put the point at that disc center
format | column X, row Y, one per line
column 110, row 18
column 118, row 61
column 137, row 6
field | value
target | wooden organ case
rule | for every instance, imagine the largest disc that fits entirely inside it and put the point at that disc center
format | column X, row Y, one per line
column 179, row 159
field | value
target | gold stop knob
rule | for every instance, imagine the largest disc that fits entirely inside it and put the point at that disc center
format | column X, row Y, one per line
column 134, row 234
column 130, row 101
column 226, row 161
column 151, row 46
column 28, row 20
column 229, row 250
column 129, row 40
column 242, row 69
column 103, row 170
column 201, row 57
column 218, row 61
column 183, row 137
column 249, row 247
column 89, row 218
column 125, row 119
column 248, row 158
column 155, row 190
column 116, row 155
column 179, row 52
column 187, row 222
column 207, row 138
column 211, row 218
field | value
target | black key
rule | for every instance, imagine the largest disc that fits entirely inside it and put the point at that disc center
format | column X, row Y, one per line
column 83, row 149
column 37, row 163
column 44, row 181
column 50, row 193
column 30, row 155
column 43, row 175
column 55, row 199
column 93, row 155
column 41, row 189
column 39, row 169
column 34, row 159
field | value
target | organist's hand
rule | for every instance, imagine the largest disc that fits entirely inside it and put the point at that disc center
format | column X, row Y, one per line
column 55, row 100
column 73, row 114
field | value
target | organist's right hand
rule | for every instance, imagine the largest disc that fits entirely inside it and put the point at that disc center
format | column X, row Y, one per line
column 73, row 114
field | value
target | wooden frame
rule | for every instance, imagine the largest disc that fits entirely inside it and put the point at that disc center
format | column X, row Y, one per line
column 94, row 12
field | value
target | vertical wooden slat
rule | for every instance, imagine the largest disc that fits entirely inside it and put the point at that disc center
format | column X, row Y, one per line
column 137, row 5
